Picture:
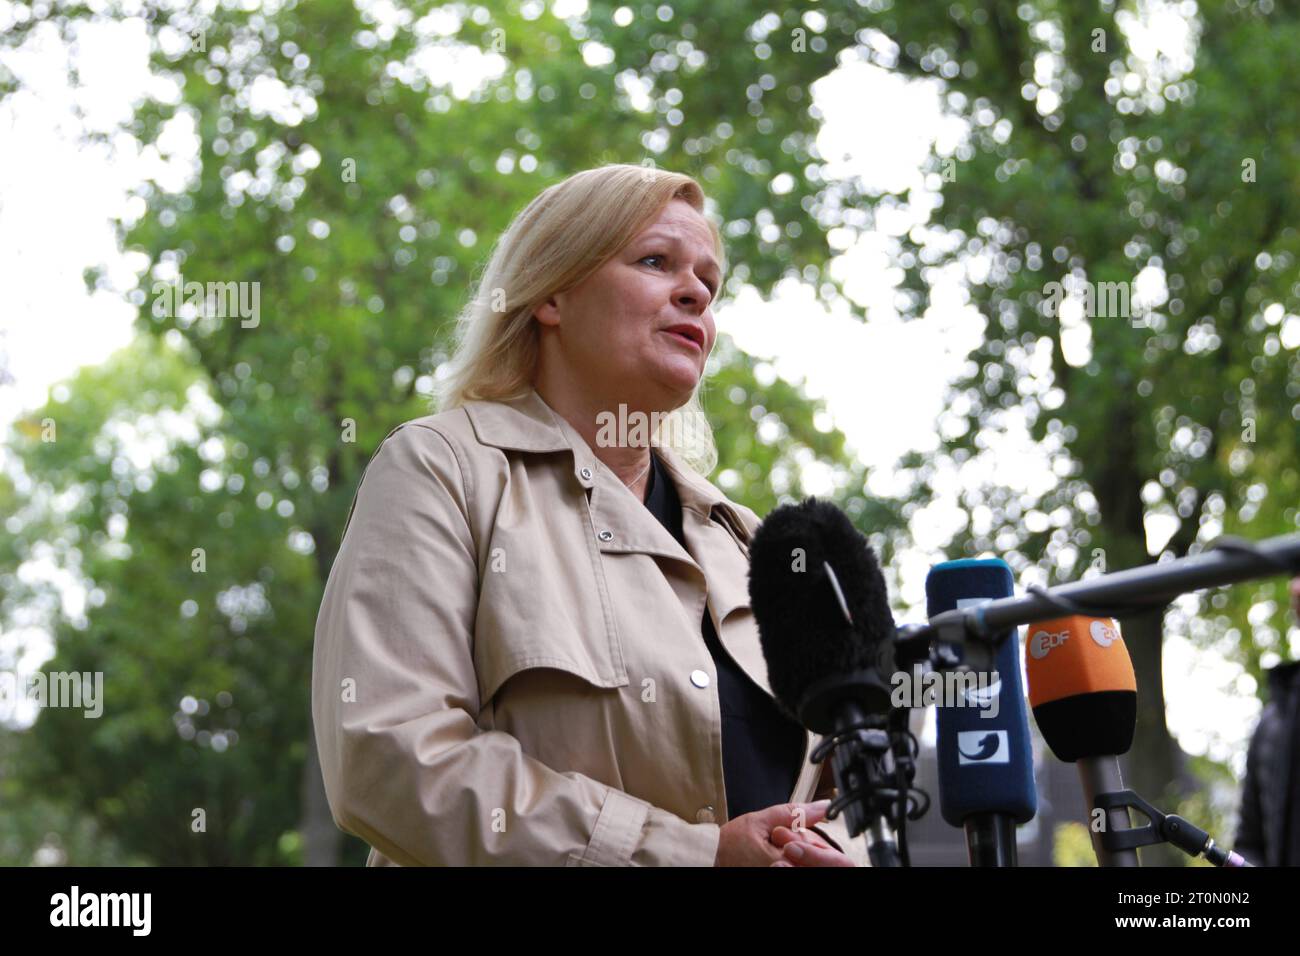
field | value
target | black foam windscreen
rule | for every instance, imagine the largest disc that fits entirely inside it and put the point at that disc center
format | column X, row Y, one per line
column 801, row 625
column 1089, row 725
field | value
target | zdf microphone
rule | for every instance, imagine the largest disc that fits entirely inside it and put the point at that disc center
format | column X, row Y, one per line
column 1084, row 696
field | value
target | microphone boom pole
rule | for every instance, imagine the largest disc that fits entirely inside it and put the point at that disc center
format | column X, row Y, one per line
column 1133, row 590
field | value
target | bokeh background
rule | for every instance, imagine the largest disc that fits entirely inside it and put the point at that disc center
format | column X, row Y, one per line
column 899, row 184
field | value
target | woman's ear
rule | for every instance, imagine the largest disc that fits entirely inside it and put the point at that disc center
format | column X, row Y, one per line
column 548, row 313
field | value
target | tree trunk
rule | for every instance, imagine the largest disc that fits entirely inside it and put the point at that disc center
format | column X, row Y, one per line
column 1155, row 767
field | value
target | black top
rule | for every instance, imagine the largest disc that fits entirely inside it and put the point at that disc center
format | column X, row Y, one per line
column 762, row 749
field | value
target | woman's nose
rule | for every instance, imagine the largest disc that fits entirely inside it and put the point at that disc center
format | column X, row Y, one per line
column 694, row 297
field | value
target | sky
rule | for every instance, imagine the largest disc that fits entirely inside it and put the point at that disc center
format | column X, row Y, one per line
column 883, row 380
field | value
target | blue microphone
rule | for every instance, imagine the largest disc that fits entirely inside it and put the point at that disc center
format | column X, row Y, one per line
column 986, row 765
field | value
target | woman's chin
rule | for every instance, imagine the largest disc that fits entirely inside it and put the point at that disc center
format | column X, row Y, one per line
column 680, row 371
column 679, row 380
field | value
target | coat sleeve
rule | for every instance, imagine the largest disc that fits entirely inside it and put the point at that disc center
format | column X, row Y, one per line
column 395, row 701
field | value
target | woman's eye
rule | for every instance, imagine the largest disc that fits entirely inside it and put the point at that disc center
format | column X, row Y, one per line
column 657, row 255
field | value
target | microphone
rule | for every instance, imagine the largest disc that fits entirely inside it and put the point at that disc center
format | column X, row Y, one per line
column 1084, row 696
column 986, row 766
column 824, row 624
column 791, row 595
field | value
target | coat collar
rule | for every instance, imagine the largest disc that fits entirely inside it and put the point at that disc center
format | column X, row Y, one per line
column 711, row 524
column 529, row 424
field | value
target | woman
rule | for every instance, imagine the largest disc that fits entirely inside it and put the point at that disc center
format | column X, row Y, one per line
column 535, row 645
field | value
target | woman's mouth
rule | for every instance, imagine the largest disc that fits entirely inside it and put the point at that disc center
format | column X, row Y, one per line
column 683, row 337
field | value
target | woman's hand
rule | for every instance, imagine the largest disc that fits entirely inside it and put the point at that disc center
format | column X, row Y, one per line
column 764, row 838
column 806, row 848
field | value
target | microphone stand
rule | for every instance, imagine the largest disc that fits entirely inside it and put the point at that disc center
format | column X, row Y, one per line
column 1117, row 844
column 967, row 636
column 991, row 839
column 1101, row 775
column 871, row 748
column 873, row 763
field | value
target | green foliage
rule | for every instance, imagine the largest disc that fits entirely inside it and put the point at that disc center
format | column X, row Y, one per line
column 361, row 276
column 207, row 665
column 1088, row 163
column 1072, row 846
column 1100, row 187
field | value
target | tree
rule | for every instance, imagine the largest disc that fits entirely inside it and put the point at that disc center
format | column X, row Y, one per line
column 1089, row 166
column 343, row 200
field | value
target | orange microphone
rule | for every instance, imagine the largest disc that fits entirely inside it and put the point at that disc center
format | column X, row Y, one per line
column 1084, row 696
column 1081, row 686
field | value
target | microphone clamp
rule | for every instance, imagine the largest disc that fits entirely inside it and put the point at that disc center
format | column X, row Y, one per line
column 873, row 757
column 1162, row 828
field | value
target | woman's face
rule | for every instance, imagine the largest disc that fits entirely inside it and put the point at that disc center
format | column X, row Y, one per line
column 609, row 335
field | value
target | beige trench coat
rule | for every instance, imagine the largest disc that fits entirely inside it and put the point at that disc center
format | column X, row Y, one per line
column 508, row 664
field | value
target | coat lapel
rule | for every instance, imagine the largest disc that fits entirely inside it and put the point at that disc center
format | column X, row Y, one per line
column 716, row 537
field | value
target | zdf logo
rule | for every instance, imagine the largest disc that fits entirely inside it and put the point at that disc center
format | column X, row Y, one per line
column 1042, row 642
column 1102, row 633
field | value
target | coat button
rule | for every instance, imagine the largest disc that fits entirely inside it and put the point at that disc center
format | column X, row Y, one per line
column 704, row 815
column 605, row 535
column 699, row 678
column 586, row 474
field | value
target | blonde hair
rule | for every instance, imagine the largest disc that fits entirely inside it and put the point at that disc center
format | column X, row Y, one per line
column 559, row 239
